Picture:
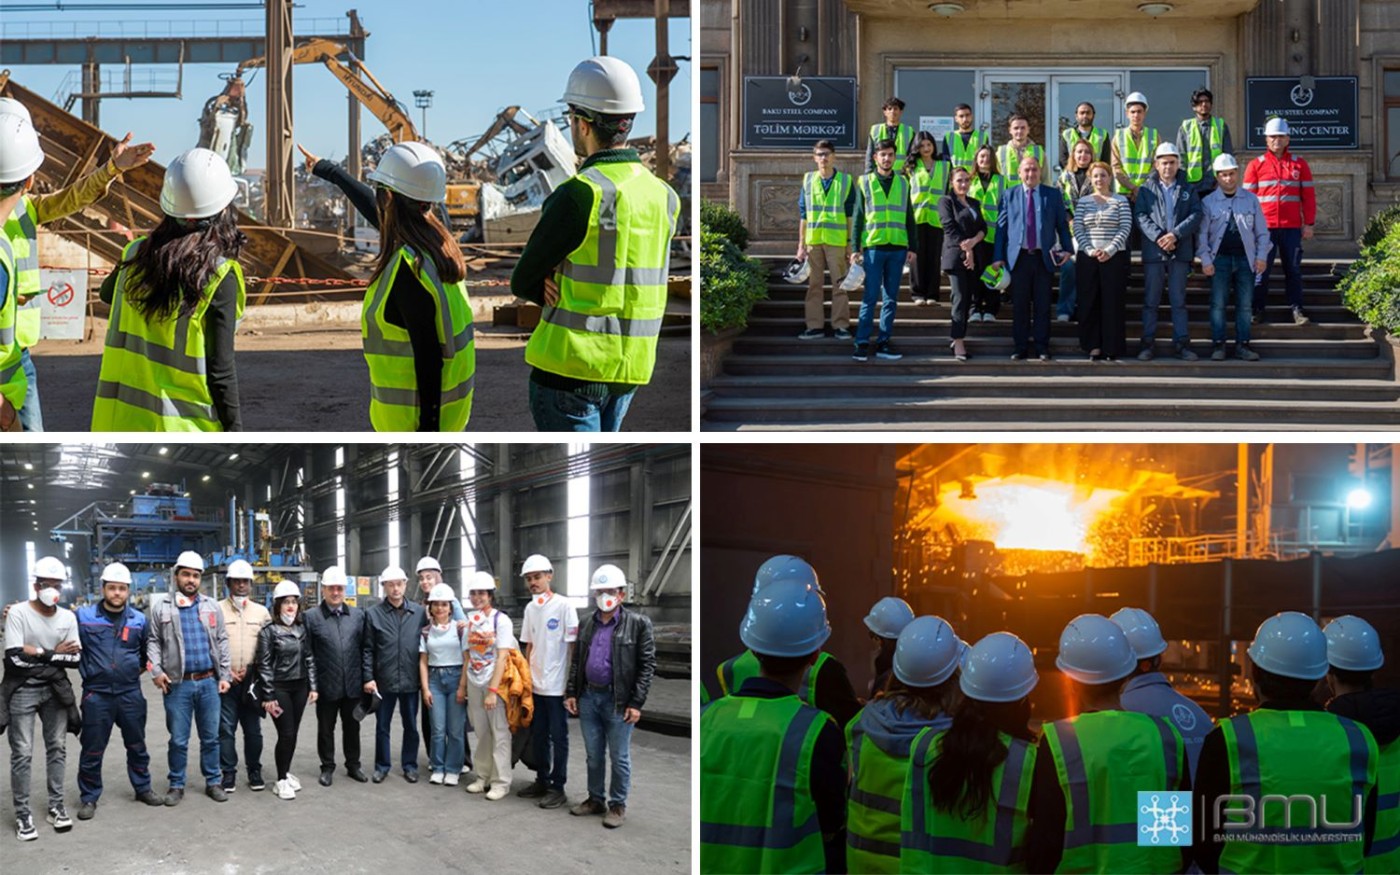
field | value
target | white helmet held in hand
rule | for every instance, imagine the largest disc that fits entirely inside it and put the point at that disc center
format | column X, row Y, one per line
column 797, row 272
column 20, row 154
column 855, row 278
column 413, row 170
column 606, row 85
column 197, row 185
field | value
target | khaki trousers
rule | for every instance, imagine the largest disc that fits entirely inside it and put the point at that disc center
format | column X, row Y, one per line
column 821, row 259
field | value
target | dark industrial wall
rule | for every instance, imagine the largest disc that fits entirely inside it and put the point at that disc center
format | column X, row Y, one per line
column 831, row 504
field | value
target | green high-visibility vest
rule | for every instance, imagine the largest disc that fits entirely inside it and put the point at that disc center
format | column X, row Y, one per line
column 737, row 669
column 1290, row 753
column 13, row 384
column 827, row 222
column 1136, row 159
column 1385, row 845
column 1009, row 159
column 886, row 215
column 1102, row 760
column 1072, row 135
column 927, row 187
column 1195, row 146
column 873, row 808
column 932, row 840
column 902, row 136
column 393, row 389
column 960, row 154
column 22, row 230
column 756, row 808
column 612, row 288
column 153, row 374
column 988, row 194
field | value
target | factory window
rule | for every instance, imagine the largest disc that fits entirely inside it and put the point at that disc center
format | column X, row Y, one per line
column 1392, row 123
column 927, row 95
column 466, row 463
column 393, row 490
column 340, row 523
column 709, row 124
column 29, row 562
column 578, row 508
column 340, row 457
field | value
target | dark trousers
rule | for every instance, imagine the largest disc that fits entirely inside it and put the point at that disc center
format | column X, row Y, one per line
column 962, row 282
column 408, row 715
column 928, row 247
column 984, row 299
column 1102, row 288
column 551, row 733
column 1030, row 303
column 292, row 698
column 327, row 710
column 1287, row 244
column 235, row 710
column 100, row 711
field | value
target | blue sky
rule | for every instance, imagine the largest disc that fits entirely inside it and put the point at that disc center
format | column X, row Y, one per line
column 477, row 57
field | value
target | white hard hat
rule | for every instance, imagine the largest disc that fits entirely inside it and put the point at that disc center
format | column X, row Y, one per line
column 1135, row 97
column 1353, row 644
column 197, row 185
column 927, row 653
column 413, row 170
column 855, row 278
column 1276, row 127
column 1142, row 631
column 190, row 559
column 239, row 569
column 49, row 568
column 20, row 154
column 441, row 592
column 999, row 668
column 782, row 567
column 535, row 562
column 889, row 616
column 1166, row 149
column 1095, row 650
column 605, row 84
column 797, row 272
column 1224, row 161
column 482, row 580
column 333, row 576
column 608, row 577
column 10, row 106
column 284, row 589
column 1291, row 645
column 393, row 572
column 116, row 573
column 786, row 616
column 428, row 563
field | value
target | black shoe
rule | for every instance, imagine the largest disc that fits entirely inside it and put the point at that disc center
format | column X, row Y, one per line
column 87, row 810
column 553, row 799
column 410, row 775
column 216, row 792
column 24, row 828
column 255, row 781
column 175, row 796
column 149, row 798
column 356, row 773
column 326, row 776
column 1218, row 354
column 1185, row 354
column 1018, row 356
column 886, row 351
column 230, row 782
column 841, row 334
column 1256, row 317
column 379, row 775
column 861, row 354
column 534, row 791
column 812, row 334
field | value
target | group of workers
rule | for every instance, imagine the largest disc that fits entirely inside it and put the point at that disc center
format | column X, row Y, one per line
column 597, row 263
column 223, row 665
column 943, row 770
column 990, row 218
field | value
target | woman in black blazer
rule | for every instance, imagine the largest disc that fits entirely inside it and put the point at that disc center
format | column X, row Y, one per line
column 963, row 229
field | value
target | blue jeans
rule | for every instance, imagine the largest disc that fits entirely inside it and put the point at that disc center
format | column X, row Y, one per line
column 605, row 734
column 551, row 728
column 883, row 270
column 31, row 418
column 1288, row 244
column 100, row 710
column 408, row 716
column 1068, row 290
column 449, row 747
column 1173, row 275
column 1231, row 270
column 235, row 710
column 198, row 700
column 564, row 410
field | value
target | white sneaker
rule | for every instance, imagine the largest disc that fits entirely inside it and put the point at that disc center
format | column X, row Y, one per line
column 436, row 778
column 465, row 769
column 293, row 782
column 452, row 779
column 498, row 793
column 477, row 786
column 283, row 790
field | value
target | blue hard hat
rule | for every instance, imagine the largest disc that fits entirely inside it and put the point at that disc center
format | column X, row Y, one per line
column 889, row 616
column 927, row 653
column 787, row 614
column 1290, row 644
column 999, row 668
column 1353, row 644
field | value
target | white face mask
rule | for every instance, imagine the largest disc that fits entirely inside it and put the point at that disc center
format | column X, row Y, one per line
column 48, row 596
column 289, row 615
column 607, row 603
column 241, row 601
column 183, row 600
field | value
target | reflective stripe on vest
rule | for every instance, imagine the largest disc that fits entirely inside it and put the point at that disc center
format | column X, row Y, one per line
column 737, row 669
column 1385, row 848
column 872, row 809
column 963, row 155
column 22, row 229
column 928, row 186
column 988, row 194
column 886, row 215
column 394, row 402
column 756, row 808
column 612, row 288
column 1195, row 146
column 1009, row 159
column 1136, row 161
column 1287, row 753
column 827, row 221
column 932, row 840
column 1072, row 136
column 13, row 383
column 1101, row 759
column 903, row 136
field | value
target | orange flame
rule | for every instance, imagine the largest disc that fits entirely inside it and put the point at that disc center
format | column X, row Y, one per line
column 1028, row 513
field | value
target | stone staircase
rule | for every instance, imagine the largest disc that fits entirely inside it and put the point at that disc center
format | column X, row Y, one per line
column 1331, row 374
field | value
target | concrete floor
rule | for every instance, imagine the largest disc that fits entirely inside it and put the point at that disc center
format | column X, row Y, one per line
column 349, row 827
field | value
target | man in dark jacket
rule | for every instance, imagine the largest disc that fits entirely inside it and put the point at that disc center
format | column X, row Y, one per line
column 337, row 633
column 391, row 652
column 113, row 636
column 1168, row 212
column 608, row 683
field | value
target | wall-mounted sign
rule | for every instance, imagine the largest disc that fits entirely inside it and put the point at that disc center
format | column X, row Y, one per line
column 1321, row 111
column 782, row 112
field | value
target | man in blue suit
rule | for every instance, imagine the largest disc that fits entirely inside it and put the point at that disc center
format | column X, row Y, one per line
column 1032, row 242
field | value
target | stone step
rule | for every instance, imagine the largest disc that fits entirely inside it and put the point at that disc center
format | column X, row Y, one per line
column 927, row 322
column 1313, row 296
column 1067, row 346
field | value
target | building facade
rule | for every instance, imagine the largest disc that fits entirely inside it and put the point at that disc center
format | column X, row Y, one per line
column 1041, row 58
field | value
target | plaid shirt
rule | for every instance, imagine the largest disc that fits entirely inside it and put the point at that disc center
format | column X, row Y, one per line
column 197, row 654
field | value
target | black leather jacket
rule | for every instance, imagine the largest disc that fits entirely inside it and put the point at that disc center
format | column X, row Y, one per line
column 391, row 645
column 284, row 655
column 342, row 667
column 633, row 658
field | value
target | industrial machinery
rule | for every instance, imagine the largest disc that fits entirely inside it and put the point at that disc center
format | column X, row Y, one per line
column 250, row 537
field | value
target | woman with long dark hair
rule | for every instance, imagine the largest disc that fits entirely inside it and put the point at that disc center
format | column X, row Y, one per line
column 416, row 322
column 972, row 780
column 176, row 297
column 986, row 186
column 286, row 678
column 964, row 229
column 928, row 182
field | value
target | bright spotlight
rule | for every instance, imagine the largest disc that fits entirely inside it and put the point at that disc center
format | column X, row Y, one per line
column 1358, row 499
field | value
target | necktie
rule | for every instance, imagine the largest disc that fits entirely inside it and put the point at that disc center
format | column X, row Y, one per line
column 1031, row 242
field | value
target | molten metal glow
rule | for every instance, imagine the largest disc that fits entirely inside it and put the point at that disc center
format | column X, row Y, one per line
column 1028, row 513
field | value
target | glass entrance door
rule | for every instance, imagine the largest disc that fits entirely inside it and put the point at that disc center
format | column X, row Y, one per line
column 1007, row 94
column 1103, row 90
column 1048, row 101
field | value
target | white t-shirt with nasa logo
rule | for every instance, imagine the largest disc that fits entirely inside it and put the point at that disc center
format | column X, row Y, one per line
column 550, row 624
column 485, row 636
